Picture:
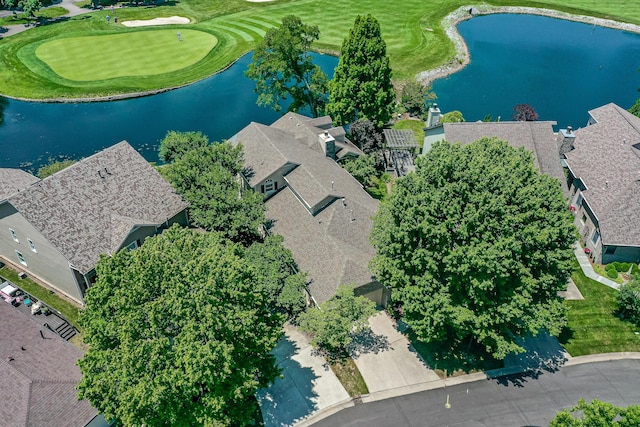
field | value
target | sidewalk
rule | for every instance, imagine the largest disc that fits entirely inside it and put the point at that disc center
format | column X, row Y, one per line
column 587, row 268
column 72, row 10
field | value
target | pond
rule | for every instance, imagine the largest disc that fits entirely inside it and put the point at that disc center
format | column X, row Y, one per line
column 219, row 106
column 561, row 68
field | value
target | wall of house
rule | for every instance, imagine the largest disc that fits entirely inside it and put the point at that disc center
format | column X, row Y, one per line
column 621, row 254
column 278, row 179
column 375, row 291
column 46, row 263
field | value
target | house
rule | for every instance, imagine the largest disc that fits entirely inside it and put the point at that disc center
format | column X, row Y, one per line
column 323, row 213
column 536, row 137
column 38, row 376
column 603, row 163
column 55, row 229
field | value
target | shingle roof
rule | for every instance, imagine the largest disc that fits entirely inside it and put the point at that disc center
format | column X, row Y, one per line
column 537, row 137
column 331, row 244
column 14, row 180
column 38, row 383
column 609, row 166
column 90, row 207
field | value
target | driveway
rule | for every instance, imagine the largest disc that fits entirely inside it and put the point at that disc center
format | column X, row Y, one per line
column 308, row 384
column 385, row 358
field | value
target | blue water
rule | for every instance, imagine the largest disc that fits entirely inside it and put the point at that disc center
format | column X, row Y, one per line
column 219, row 106
column 561, row 68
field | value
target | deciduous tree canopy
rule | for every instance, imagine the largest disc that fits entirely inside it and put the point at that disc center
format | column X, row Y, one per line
column 452, row 117
column 366, row 135
column 175, row 144
column 361, row 87
column 635, row 108
column 598, row 413
column 476, row 244
column 208, row 178
column 177, row 333
column 282, row 66
column 524, row 112
column 53, row 166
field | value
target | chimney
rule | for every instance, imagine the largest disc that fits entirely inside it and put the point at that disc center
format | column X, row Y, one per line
column 328, row 144
column 566, row 138
column 433, row 118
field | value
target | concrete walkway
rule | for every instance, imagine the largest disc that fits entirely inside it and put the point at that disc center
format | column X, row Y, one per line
column 308, row 384
column 587, row 268
column 386, row 359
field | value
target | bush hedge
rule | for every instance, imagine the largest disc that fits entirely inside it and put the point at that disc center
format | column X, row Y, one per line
column 629, row 302
column 611, row 270
column 621, row 267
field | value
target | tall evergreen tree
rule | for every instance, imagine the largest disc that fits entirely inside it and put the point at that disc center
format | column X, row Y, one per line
column 361, row 87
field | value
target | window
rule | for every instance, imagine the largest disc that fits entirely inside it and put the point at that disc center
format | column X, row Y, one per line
column 610, row 250
column 31, row 245
column 579, row 200
column 131, row 246
column 595, row 237
column 21, row 258
column 14, row 235
column 583, row 220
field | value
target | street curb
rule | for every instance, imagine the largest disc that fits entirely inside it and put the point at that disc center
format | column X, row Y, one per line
column 449, row 382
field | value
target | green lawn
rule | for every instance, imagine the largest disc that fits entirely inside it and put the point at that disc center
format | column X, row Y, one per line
column 51, row 12
column 136, row 53
column 350, row 377
column 593, row 327
column 239, row 25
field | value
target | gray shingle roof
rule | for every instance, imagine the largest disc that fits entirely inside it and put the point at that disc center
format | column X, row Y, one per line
column 90, row 207
column 329, row 245
column 537, row 137
column 607, row 163
column 38, row 384
column 14, row 180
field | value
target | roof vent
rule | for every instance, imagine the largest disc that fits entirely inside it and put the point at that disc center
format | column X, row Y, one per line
column 606, row 184
column 100, row 174
column 106, row 171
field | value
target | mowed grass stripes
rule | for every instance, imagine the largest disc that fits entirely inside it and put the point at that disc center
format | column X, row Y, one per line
column 139, row 53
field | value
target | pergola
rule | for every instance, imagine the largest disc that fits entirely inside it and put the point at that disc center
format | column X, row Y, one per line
column 400, row 139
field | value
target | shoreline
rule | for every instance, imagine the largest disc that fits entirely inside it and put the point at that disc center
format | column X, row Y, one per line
column 462, row 58
column 450, row 23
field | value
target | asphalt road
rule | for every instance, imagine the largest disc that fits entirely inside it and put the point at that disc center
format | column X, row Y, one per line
column 512, row 401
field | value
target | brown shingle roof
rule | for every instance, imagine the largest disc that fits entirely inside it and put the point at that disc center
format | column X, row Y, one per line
column 608, row 165
column 537, row 137
column 14, row 180
column 331, row 244
column 38, row 383
column 89, row 208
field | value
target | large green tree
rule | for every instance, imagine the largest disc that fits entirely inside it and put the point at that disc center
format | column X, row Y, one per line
column 177, row 334
column 282, row 67
column 361, row 87
column 476, row 245
column 209, row 179
column 175, row 144
column 597, row 414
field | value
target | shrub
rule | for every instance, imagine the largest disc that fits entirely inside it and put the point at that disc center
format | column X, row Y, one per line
column 629, row 302
column 621, row 267
column 635, row 271
column 612, row 273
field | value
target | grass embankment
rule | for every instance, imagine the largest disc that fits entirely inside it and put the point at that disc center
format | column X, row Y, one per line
column 350, row 377
column 40, row 16
column 70, row 311
column 415, row 39
column 593, row 326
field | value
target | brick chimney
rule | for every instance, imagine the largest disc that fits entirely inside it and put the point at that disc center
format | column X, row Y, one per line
column 433, row 117
column 328, row 144
column 566, row 138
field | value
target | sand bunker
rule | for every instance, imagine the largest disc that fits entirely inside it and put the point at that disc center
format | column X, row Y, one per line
column 157, row 21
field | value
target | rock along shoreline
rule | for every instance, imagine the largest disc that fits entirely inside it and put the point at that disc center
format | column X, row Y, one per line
column 462, row 57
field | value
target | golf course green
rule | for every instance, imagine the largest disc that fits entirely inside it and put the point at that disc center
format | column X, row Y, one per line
column 46, row 62
column 137, row 53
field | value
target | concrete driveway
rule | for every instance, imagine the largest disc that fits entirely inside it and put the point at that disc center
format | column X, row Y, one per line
column 385, row 358
column 308, row 384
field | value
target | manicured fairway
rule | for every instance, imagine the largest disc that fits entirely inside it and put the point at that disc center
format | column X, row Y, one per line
column 138, row 53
